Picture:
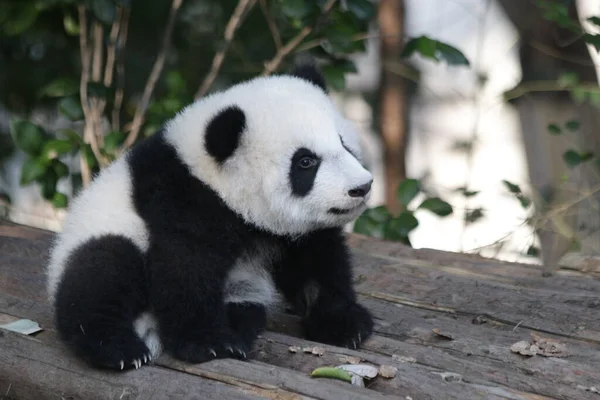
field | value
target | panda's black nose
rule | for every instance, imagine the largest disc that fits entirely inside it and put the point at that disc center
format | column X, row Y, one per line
column 360, row 191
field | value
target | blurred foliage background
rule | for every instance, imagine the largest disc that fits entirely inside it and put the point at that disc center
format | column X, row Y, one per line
column 83, row 80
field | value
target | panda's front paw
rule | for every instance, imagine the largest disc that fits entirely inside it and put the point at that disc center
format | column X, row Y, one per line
column 208, row 347
column 346, row 325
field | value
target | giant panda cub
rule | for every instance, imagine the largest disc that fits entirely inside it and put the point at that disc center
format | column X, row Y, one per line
column 184, row 243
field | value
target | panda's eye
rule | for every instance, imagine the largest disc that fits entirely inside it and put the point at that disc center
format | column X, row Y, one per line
column 307, row 162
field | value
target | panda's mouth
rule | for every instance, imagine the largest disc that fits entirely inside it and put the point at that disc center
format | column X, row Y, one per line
column 343, row 211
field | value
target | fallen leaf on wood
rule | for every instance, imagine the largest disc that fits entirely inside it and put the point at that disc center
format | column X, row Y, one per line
column 23, row 326
column 524, row 347
column 444, row 335
column 350, row 360
column 294, row 349
column 332, row 373
column 318, row 351
column 539, row 345
column 388, row 371
column 362, row 370
column 403, row 359
column 549, row 347
column 449, row 376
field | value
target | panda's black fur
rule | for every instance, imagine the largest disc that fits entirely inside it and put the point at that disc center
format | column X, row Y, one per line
column 108, row 282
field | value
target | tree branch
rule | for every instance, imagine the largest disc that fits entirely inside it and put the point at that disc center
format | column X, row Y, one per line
column 111, row 48
column 547, row 86
column 119, row 91
column 272, row 65
column 233, row 24
column 97, row 103
column 272, row 26
column 159, row 63
column 86, row 175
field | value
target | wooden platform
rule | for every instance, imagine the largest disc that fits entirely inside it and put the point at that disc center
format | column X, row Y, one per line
column 445, row 321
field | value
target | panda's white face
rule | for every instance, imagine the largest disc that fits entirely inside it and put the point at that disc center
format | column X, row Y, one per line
column 277, row 152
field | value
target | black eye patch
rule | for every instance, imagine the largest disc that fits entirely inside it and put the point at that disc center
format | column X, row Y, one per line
column 303, row 171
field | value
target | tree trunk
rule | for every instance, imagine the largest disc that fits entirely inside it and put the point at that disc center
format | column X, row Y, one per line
column 392, row 119
column 547, row 52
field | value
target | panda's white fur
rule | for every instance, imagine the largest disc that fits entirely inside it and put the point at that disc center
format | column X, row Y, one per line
column 105, row 207
column 268, row 144
column 254, row 183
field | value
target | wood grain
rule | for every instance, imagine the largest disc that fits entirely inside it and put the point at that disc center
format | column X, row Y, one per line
column 480, row 307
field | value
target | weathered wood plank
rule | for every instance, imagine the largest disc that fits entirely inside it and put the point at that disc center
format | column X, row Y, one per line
column 485, row 305
column 29, row 369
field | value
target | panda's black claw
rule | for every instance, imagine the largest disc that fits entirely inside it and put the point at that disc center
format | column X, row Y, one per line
column 218, row 345
column 344, row 325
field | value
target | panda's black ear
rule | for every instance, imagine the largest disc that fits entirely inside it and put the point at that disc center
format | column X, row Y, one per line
column 223, row 133
column 307, row 69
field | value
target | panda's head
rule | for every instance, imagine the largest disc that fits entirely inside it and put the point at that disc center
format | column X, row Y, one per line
column 276, row 151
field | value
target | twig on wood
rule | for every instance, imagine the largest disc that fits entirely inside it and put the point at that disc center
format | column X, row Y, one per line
column 159, row 63
column 272, row 65
column 272, row 26
column 233, row 24
column 119, row 91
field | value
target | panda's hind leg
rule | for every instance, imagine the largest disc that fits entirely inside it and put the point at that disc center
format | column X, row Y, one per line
column 101, row 293
column 248, row 320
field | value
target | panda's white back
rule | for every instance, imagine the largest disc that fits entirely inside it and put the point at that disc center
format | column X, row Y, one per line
column 104, row 207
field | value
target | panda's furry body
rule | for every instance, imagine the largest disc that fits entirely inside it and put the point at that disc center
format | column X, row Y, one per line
column 185, row 242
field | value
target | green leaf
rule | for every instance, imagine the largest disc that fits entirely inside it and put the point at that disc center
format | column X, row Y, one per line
column 331, row 373
column 586, row 156
column 435, row 50
column 104, row 10
column 451, row 55
column 512, row 187
column 32, row 169
column 592, row 39
column 60, row 87
column 175, row 82
column 399, row 227
column 568, row 79
column 55, row 147
column 60, row 168
column 579, row 94
column 97, row 89
column 437, row 206
column 572, row 158
column 90, row 158
column 372, row 222
column 60, row 200
column 113, row 141
column 572, row 125
column 594, row 20
column 407, row 191
column 27, row 136
column 474, row 215
column 48, row 182
column 21, row 18
column 362, row 9
column 525, row 202
column 297, row 9
column 70, row 107
column 467, row 193
column 594, row 98
column 71, row 25
column 335, row 77
column 554, row 129
column 71, row 135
